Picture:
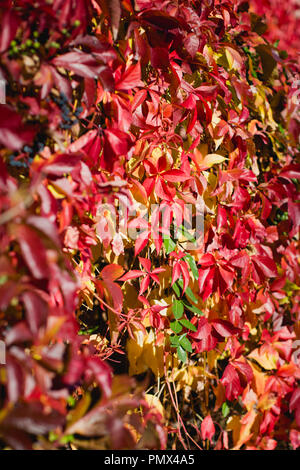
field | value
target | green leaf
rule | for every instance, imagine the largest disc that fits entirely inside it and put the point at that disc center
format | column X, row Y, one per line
column 187, row 324
column 176, row 327
column 178, row 309
column 193, row 266
column 52, row 436
column 225, row 409
column 188, row 292
column 194, row 309
column 67, row 438
column 71, row 401
column 185, row 343
column 169, row 245
column 3, row 279
column 174, row 341
column 176, row 289
column 182, row 355
column 186, row 233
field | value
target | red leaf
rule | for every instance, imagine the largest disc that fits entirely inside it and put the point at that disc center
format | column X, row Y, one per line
column 160, row 18
column 266, row 265
column 175, row 176
column 162, row 190
column 245, row 369
column 203, row 330
column 131, row 78
column 160, row 58
column 107, row 79
column 119, row 142
column 185, row 275
column 290, row 171
column 115, row 13
column 15, row 379
column 36, row 310
column 227, row 276
column 101, row 373
column 141, row 242
column 19, row 333
column 62, row 164
column 295, row 438
column 116, row 294
column 112, row 272
column 9, row 26
column 192, row 120
column 207, row 260
column 231, row 382
column 205, row 280
column 144, row 284
column 44, row 225
column 13, row 134
column 102, row 48
column 191, row 43
column 158, row 270
column 295, row 399
column 146, row 263
column 132, row 275
column 81, row 63
column 175, row 273
column 33, row 418
column 224, row 328
column 75, row 370
column 80, row 143
column 138, row 99
column 207, row 428
column 33, row 251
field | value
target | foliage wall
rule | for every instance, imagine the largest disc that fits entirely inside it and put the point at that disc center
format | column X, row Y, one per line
column 121, row 343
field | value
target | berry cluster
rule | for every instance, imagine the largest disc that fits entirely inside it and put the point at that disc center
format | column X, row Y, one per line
column 69, row 116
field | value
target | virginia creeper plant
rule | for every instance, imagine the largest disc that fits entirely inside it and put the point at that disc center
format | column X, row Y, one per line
column 129, row 328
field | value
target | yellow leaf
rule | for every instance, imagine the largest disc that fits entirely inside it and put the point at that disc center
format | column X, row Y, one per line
column 80, row 409
column 266, row 402
column 203, row 163
column 155, row 402
column 266, row 359
column 229, row 58
column 55, row 192
column 139, row 192
column 234, row 59
column 247, row 422
column 212, row 159
column 144, row 353
column 234, row 425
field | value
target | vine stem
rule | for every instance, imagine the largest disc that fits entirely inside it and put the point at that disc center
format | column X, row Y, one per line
column 175, row 405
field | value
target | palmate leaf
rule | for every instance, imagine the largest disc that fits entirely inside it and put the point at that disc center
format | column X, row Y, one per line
column 139, row 102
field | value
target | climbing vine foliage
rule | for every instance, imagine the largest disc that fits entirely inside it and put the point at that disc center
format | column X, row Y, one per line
column 149, row 225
